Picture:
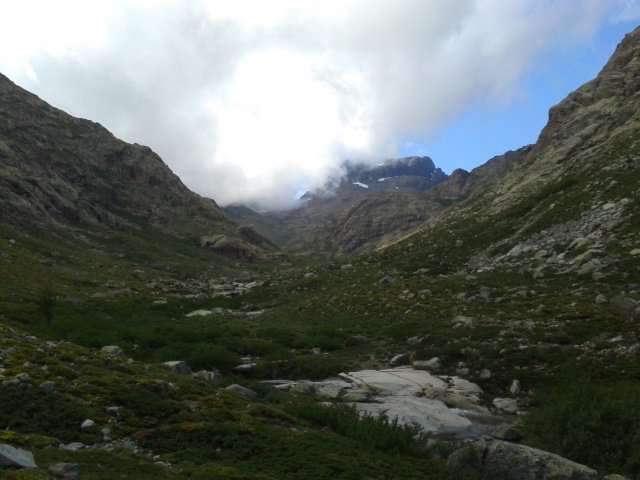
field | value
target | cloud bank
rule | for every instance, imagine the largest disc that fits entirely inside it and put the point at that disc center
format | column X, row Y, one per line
column 253, row 101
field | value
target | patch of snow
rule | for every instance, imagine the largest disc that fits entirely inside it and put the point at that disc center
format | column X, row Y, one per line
column 361, row 184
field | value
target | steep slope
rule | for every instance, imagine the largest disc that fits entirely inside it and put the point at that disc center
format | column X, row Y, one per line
column 576, row 189
column 65, row 177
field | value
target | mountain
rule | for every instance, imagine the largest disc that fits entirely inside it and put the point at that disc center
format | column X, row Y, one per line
column 360, row 182
column 384, row 218
column 415, row 173
column 525, row 284
column 68, row 177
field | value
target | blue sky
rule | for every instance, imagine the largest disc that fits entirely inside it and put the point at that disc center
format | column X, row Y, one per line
column 253, row 101
column 482, row 133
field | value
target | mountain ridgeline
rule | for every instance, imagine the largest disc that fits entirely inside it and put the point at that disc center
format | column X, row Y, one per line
column 61, row 174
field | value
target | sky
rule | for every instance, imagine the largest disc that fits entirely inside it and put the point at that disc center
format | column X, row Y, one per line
column 255, row 101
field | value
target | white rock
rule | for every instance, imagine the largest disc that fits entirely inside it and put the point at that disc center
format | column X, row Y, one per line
column 515, row 388
column 199, row 313
column 506, row 405
column 430, row 415
column 113, row 351
column 88, row 424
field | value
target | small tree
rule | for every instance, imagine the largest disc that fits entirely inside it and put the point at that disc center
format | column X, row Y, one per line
column 47, row 303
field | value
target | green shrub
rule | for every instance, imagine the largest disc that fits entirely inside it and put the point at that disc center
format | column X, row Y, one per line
column 142, row 402
column 35, row 411
column 310, row 367
column 377, row 432
column 208, row 357
column 590, row 423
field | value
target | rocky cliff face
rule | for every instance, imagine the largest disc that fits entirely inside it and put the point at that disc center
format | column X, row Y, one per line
column 575, row 190
column 69, row 172
column 597, row 120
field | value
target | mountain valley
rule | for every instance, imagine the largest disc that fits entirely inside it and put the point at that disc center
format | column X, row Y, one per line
column 521, row 277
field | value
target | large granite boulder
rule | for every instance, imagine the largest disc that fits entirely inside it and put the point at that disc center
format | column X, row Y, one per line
column 13, row 457
column 509, row 461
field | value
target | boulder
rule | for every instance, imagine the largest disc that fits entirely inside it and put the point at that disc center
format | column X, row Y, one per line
column 463, row 320
column 245, row 392
column 400, row 359
column 456, row 400
column 432, row 364
column 65, row 471
column 178, row 367
column 113, row 351
column 580, row 243
column 207, row 376
column 330, row 391
column 515, row 388
column 48, row 387
column 506, row 405
column 623, row 305
column 88, row 423
column 509, row 461
column 305, row 387
column 13, row 457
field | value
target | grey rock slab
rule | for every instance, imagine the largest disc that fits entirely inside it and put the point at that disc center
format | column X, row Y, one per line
column 395, row 381
column 428, row 414
column 16, row 457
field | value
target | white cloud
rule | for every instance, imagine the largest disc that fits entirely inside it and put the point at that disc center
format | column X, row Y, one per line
column 254, row 100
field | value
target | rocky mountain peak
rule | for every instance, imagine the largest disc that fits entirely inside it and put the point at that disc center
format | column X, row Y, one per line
column 392, row 168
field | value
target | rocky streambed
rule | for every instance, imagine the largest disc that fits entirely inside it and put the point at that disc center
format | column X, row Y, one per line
column 446, row 407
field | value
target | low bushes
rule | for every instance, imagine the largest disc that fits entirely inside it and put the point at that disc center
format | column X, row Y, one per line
column 592, row 423
column 378, row 432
